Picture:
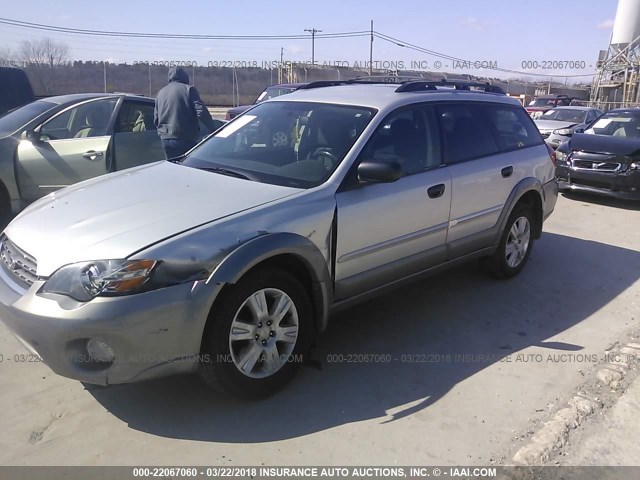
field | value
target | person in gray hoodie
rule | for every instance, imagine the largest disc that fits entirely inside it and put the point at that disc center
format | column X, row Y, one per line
column 178, row 108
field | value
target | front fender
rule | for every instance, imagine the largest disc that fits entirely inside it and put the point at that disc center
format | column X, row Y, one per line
column 259, row 249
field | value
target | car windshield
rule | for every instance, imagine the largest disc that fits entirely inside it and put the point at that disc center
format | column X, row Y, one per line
column 295, row 144
column 565, row 115
column 12, row 121
column 618, row 124
column 273, row 92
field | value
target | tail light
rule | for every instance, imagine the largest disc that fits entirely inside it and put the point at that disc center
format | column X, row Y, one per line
column 227, row 116
column 552, row 154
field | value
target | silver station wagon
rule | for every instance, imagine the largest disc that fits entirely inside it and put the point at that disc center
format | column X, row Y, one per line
column 229, row 261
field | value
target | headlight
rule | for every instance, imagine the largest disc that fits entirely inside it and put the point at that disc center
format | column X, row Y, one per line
column 563, row 131
column 85, row 281
column 634, row 166
column 561, row 156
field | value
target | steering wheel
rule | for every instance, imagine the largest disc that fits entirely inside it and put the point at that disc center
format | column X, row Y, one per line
column 326, row 153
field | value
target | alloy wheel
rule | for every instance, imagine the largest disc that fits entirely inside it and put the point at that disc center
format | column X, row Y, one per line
column 263, row 333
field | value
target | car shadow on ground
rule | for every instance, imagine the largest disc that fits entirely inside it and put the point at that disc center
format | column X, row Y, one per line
column 459, row 312
column 604, row 201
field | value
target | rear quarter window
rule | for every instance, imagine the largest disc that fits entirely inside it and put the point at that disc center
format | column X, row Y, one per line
column 513, row 128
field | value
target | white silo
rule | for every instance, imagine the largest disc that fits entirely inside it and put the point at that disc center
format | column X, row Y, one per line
column 626, row 27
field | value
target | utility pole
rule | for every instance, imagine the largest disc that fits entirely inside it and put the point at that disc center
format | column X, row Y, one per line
column 104, row 66
column 313, row 32
column 371, row 52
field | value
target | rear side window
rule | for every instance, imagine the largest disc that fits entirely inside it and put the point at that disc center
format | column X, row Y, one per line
column 465, row 132
column 513, row 127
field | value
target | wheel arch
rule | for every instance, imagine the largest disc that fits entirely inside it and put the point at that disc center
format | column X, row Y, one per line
column 529, row 191
column 292, row 253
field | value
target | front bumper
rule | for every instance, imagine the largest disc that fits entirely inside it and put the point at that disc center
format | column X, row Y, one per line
column 554, row 140
column 153, row 334
column 622, row 185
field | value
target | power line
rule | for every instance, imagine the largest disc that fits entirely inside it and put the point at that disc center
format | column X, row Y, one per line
column 313, row 34
column 79, row 31
column 402, row 43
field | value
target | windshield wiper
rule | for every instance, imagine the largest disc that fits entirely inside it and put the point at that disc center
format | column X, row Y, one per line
column 225, row 171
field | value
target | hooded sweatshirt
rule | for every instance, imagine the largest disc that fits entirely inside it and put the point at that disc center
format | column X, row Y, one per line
column 178, row 107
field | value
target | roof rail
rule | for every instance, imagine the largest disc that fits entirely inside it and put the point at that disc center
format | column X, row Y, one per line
column 430, row 86
column 385, row 78
column 323, row 83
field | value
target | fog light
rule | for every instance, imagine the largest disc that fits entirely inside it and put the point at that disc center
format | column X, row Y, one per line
column 100, row 351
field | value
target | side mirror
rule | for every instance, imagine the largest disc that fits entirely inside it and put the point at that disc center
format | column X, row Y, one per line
column 579, row 130
column 379, row 172
column 30, row 135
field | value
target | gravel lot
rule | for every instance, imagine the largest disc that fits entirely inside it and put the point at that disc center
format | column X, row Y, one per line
column 470, row 369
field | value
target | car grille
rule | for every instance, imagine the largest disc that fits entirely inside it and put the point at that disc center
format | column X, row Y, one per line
column 592, row 165
column 18, row 263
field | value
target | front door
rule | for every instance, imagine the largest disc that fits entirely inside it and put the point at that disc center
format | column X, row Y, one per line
column 73, row 146
column 387, row 231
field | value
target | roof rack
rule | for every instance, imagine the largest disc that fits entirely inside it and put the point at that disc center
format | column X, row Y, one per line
column 373, row 80
column 430, row 86
column 411, row 84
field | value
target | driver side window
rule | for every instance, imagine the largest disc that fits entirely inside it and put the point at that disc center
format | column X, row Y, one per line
column 408, row 136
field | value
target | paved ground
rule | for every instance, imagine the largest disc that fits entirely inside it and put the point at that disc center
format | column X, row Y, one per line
column 579, row 294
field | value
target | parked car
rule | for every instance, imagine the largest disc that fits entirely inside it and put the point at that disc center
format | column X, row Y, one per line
column 541, row 104
column 605, row 159
column 230, row 260
column 55, row 142
column 271, row 92
column 15, row 89
column 558, row 124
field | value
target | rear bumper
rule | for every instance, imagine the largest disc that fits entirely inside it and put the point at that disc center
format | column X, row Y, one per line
column 622, row 185
column 550, row 191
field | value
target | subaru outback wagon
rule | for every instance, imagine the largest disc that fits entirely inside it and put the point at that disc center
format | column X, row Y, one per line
column 228, row 261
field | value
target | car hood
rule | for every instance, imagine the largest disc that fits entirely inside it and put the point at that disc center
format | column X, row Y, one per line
column 553, row 124
column 116, row 215
column 583, row 142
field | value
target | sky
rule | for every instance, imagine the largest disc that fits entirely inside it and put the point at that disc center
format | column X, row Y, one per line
column 503, row 32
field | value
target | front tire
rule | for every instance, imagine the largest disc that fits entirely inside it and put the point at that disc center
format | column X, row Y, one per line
column 515, row 245
column 257, row 335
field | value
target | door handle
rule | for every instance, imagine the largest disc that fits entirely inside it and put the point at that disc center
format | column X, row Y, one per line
column 507, row 171
column 92, row 154
column 436, row 191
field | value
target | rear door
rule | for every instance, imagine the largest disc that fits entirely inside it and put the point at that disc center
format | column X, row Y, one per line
column 136, row 139
column 484, row 146
column 387, row 231
column 74, row 145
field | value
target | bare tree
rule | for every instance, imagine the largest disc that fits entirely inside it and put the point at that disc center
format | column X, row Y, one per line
column 44, row 52
column 7, row 57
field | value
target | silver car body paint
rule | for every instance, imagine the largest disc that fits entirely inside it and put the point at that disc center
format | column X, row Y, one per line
column 209, row 230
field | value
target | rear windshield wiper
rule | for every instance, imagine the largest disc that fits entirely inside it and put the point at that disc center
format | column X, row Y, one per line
column 226, row 171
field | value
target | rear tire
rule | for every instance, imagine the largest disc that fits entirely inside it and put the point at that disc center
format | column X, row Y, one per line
column 257, row 335
column 515, row 245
